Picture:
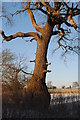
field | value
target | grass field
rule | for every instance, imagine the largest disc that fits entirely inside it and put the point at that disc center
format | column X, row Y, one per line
column 60, row 107
column 64, row 91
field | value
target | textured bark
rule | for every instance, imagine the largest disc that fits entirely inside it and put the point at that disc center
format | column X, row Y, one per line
column 36, row 91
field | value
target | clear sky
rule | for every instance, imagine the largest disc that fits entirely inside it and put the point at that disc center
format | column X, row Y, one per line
column 64, row 70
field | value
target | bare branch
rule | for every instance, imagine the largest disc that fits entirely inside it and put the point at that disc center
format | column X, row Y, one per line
column 15, row 69
column 32, row 18
column 32, row 61
column 66, row 5
column 61, row 33
column 71, row 20
column 18, row 34
column 60, row 45
column 48, row 64
column 68, row 48
column 12, row 67
column 45, row 71
column 43, row 11
column 76, row 13
column 30, row 40
column 48, row 7
column 68, row 24
column 18, row 12
column 57, row 5
column 26, row 72
column 55, row 32
column 26, row 8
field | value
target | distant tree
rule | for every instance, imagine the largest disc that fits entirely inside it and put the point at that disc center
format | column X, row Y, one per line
column 60, row 19
column 13, row 64
column 75, row 84
column 13, row 77
column 54, row 87
column 63, row 86
column 69, row 87
column 8, row 59
column 49, row 84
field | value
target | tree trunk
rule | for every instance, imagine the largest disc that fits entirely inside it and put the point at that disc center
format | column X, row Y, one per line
column 36, row 92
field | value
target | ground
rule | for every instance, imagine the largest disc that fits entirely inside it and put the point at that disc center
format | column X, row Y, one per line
column 61, row 106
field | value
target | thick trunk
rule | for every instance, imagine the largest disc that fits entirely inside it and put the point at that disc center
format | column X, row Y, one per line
column 36, row 92
column 40, row 62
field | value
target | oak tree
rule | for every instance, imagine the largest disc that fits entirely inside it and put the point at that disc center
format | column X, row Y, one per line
column 58, row 14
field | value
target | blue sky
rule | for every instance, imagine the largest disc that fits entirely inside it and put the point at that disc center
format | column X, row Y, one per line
column 63, row 73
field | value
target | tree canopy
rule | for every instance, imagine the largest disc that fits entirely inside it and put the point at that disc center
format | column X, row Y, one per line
column 59, row 14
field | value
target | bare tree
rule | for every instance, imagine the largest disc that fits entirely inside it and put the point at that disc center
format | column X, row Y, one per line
column 75, row 84
column 13, row 78
column 63, row 87
column 58, row 14
column 13, row 68
column 49, row 84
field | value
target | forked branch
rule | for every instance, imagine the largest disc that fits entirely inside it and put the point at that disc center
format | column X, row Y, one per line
column 48, row 7
column 36, row 26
